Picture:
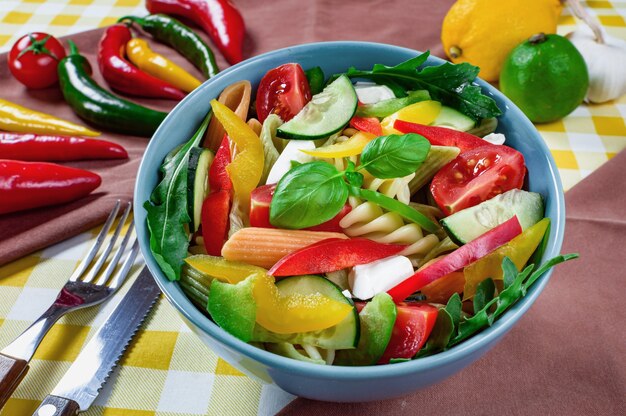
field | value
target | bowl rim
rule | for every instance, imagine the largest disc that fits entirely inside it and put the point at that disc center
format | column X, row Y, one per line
column 344, row 373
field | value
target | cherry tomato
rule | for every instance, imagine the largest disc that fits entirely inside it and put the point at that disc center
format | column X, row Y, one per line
column 34, row 58
column 414, row 323
column 476, row 176
column 284, row 91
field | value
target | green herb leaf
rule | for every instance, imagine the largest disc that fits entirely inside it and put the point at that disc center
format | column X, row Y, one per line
column 396, row 206
column 355, row 178
column 387, row 107
column 167, row 209
column 454, row 307
column 394, row 156
column 484, row 293
column 440, row 335
column 308, row 195
column 315, row 76
column 451, row 84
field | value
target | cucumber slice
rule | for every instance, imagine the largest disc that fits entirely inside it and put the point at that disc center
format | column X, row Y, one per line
column 438, row 157
column 467, row 224
column 344, row 335
column 486, row 126
column 449, row 117
column 197, row 183
column 326, row 113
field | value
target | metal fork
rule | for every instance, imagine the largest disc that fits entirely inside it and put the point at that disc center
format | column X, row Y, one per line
column 86, row 287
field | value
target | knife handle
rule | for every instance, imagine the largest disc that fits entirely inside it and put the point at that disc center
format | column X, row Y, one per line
column 12, row 371
column 57, row 406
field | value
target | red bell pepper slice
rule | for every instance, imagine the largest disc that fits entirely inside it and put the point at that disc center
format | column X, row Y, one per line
column 458, row 259
column 442, row 136
column 215, row 210
column 218, row 176
column 414, row 323
column 331, row 255
column 367, row 124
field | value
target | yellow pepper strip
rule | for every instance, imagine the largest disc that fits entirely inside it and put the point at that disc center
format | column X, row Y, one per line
column 139, row 53
column 424, row 112
column 14, row 117
column 246, row 168
column 295, row 313
column 224, row 270
column 351, row 147
column 518, row 250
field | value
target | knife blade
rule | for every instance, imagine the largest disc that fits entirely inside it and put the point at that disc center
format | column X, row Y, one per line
column 80, row 385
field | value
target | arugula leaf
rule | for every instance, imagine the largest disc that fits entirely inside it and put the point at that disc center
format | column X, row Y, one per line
column 484, row 293
column 308, row 195
column 440, row 335
column 394, row 156
column 451, row 84
column 167, row 209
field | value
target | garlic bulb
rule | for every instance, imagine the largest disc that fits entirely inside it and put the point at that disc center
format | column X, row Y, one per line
column 606, row 63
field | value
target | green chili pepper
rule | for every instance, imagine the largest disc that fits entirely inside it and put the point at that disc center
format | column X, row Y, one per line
column 180, row 37
column 98, row 106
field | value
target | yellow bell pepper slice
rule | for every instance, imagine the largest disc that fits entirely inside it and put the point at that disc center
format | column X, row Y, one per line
column 518, row 250
column 224, row 270
column 139, row 53
column 423, row 112
column 246, row 168
column 295, row 313
column 351, row 147
column 15, row 118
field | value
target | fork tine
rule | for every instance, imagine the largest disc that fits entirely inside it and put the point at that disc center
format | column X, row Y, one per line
column 105, row 254
column 123, row 272
column 97, row 244
column 116, row 257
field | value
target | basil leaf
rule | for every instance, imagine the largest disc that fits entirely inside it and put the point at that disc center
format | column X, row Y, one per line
column 315, row 76
column 396, row 206
column 167, row 209
column 309, row 194
column 355, row 178
column 394, row 156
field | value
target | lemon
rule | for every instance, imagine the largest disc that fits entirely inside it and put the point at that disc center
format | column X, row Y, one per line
column 483, row 32
column 546, row 77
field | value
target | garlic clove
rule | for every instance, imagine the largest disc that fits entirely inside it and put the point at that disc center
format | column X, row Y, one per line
column 606, row 63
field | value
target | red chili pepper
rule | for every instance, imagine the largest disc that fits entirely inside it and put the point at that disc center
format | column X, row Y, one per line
column 35, row 147
column 331, row 255
column 220, row 19
column 25, row 185
column 441, row 136
column 123, row 76
column 367, row 124
column 218, row 176
column 458, row 259
column 215, row 211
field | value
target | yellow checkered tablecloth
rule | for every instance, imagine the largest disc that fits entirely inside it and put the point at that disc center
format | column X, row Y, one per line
column 167, row 370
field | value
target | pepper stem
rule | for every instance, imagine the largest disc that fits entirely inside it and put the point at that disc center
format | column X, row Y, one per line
column 580, row 12
column 538, row 38
column 131, row 19
column 73, row 48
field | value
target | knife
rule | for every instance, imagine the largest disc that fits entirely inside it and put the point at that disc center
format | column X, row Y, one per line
column 80, row 385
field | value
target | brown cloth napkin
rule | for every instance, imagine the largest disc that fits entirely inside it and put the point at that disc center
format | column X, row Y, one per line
column 567, row 355
column 270, row 25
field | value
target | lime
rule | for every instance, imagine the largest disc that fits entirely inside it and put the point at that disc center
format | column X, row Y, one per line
column 546, row 77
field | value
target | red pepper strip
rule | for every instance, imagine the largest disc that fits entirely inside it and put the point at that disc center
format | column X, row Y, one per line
column 220, row 19
column 123, row 76
column 367, row 124
column 458, row 259
column 331, row 255
column 35, row 147
column 214, row 215
column 441, row 136
column 218, row 176
column 25, row 185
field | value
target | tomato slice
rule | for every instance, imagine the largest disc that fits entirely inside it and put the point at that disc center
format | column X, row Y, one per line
column 414, row 323
column 442, row 136
column 284, row 91
column 476, row 176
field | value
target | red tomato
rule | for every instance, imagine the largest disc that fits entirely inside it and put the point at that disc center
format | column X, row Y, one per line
column 284, row 91
column 414, row 323
column 33, row 59
column 476, row 176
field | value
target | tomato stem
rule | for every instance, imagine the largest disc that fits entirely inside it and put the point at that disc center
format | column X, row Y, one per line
column 37, row 47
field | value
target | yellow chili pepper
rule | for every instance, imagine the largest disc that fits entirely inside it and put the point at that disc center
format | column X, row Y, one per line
column 14, row 117
column 424, row 112
column 518, row 250
column 246, row 168
column 351, row 147
column 139, row 53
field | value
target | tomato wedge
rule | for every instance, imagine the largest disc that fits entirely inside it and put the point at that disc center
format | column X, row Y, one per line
column 442, row 136
column 414, row 323
column 476, row 176
column 284, row 91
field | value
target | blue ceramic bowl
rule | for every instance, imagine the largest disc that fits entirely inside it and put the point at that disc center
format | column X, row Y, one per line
column 329, row 383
